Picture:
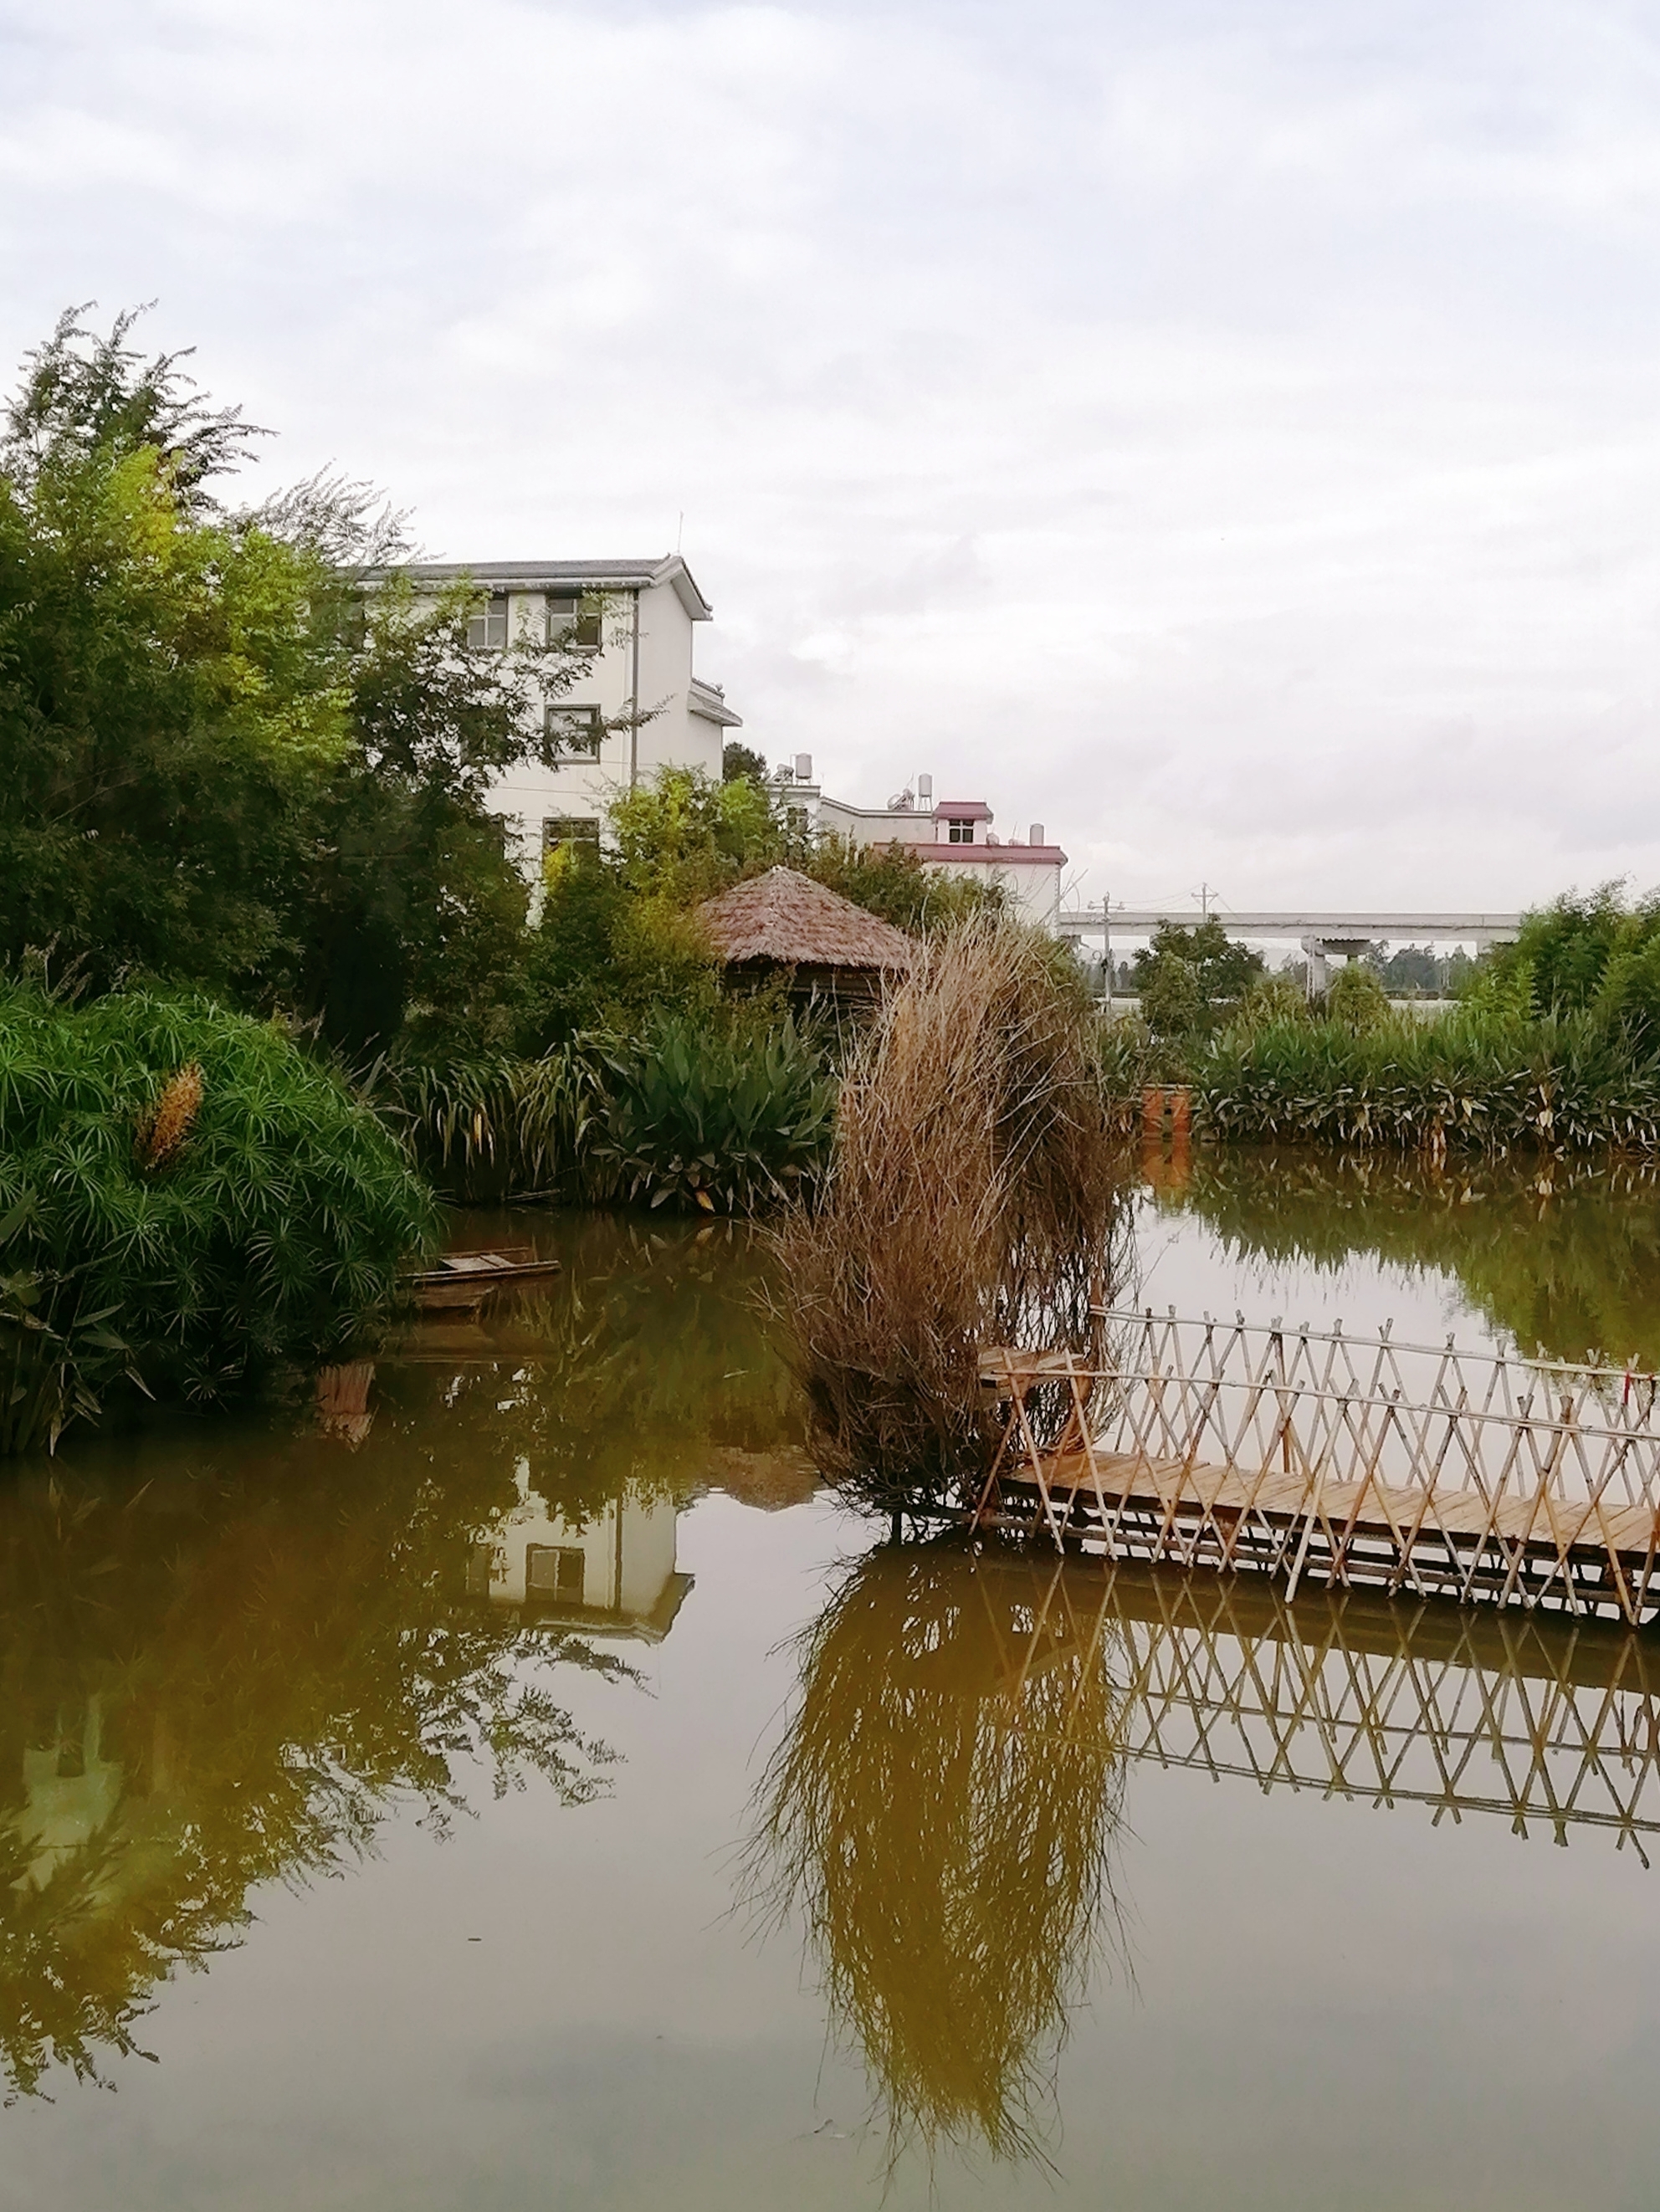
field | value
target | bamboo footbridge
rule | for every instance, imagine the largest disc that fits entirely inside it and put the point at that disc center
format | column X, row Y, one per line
column 1313, row 1455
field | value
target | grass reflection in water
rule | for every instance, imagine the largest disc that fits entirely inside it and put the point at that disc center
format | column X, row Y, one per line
column 941, row 1813
column 1562, row 1255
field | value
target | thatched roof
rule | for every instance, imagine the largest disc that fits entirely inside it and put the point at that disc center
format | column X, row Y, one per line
column 785, row 916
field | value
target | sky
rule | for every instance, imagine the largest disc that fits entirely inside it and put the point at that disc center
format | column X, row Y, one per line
column 1227, row 434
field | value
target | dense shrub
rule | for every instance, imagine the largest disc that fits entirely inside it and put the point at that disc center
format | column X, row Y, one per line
column 184, row 1194
column 1273, row 1001
column 729, row 1122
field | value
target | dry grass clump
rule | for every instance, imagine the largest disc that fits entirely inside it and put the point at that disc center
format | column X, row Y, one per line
column 972, row 1198
column 941, row 1815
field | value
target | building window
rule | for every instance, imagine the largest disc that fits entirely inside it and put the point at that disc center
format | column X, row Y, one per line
column 573, row 733
column 959, row 833
column 557, row 1572
column 481, row 1558
column 488, row 624
column 568, row 829
column 573, row 621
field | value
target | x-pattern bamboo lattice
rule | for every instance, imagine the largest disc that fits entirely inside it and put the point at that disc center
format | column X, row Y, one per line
column 1539, row 1724
column 1299, row 1451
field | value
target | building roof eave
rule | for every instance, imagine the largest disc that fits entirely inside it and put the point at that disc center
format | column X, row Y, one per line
column 538, row 575
column 988, row 856
column 703, row 699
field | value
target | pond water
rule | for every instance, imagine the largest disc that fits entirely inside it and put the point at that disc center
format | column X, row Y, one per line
column 506, row 1779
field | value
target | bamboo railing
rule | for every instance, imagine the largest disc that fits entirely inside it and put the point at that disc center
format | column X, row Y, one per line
column 1312, row 1452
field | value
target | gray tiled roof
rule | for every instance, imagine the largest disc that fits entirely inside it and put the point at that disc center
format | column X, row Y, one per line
column 538, row 575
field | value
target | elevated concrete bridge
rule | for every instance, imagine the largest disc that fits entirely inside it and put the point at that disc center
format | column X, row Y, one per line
column 1320, row 933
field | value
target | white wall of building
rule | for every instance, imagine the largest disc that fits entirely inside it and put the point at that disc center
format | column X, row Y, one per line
column 641, row 675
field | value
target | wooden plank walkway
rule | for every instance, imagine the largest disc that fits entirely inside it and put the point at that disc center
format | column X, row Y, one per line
column 1313, row 1455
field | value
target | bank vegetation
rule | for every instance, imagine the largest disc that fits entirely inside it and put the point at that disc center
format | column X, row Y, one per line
column 1554, row 1047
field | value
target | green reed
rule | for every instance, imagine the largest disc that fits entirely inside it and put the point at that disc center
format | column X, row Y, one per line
column 723, row 1118
column 1485, row 1079
column 496, row 1125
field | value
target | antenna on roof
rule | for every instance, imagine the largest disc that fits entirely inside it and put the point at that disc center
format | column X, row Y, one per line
column 680, row 530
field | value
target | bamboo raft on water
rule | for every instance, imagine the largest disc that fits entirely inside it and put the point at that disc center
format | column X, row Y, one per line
column 1304, row 1453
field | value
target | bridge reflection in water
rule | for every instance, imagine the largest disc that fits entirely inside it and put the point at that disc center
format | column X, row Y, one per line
column 1553, row 1725
column 942, row 1811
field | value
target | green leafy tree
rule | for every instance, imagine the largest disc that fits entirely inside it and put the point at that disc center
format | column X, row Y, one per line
column 1173, row 998
column 166, row 722
column 1566, row 949
column 617, row 937
column 1187, row 961
column 221, row 760
column 680, row 837
column 891, row 881
column 738, row 760
column 1356, row 1000
column 604, row 956
column 415, row 910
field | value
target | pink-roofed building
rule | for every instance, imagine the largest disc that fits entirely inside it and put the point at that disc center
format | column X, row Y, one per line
column 954, row 836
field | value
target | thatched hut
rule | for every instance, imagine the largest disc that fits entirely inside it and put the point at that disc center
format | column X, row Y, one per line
column 784, row 926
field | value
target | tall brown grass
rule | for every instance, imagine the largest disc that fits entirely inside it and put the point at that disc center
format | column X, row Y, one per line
column 973, row 1197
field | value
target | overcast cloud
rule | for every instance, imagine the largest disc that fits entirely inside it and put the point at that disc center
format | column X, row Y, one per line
column 1229, row 435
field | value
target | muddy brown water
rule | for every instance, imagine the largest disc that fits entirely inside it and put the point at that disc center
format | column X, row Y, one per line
column 504, row 1778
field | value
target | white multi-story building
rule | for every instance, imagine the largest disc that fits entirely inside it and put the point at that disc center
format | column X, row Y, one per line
column 638, row 706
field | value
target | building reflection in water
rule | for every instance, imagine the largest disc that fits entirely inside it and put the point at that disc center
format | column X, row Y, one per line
column 230, row 1650
column 609, row 1573
column 941, row 1813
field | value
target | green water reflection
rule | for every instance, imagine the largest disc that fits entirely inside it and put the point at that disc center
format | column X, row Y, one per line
column 1563, row 1257
column 228, row 1653
column 233, row 1654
